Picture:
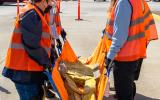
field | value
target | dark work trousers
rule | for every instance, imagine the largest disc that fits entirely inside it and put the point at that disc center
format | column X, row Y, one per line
column 124, row 75
column 137, row 72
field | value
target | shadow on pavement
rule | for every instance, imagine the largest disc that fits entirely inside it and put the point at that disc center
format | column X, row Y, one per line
column 4, row 90
column 142, row 97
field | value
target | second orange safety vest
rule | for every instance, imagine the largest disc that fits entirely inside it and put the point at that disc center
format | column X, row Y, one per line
column 135, row 46
column 17, row 58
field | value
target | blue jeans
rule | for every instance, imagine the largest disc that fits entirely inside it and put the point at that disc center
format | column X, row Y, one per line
column 29, row 91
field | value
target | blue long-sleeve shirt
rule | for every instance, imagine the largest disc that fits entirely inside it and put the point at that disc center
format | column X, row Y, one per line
column 121, row 27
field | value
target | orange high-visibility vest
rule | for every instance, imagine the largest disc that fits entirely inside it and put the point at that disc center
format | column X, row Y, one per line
column 150, row 27
column 56, row 19
column 47, row 17
column 135, row 46
column 17, row 58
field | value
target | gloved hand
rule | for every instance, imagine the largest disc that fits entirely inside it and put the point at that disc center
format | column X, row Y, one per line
column 63, row 34
column 108, row 66
column 108, row 63
column 59, row 44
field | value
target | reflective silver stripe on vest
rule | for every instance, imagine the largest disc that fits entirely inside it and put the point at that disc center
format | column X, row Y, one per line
column 20, row 46
column 130, row 38
column 134, row 22
column 150, row 23
column 16, row 46
column 137, row 21
column 137, row 36
column 140, row 20
column 44, row 34
column 147, row 14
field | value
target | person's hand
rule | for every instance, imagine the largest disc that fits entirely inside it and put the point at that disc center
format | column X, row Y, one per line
column 108, row 63
column 63, row 34
column 108, row 66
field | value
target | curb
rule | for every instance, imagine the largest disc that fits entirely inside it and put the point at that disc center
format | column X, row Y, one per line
column 156, row 17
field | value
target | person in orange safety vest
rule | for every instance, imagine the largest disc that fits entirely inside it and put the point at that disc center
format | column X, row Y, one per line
column 29, row 51
column 129, row 28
